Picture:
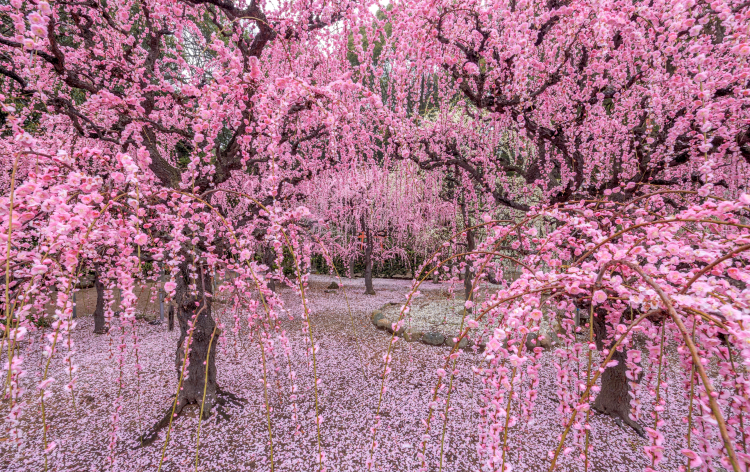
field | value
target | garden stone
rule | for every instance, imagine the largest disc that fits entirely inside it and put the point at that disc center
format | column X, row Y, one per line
column 412, row 336
column 433, row 339
column 383, row 323
column 333, row 286
column 376, row 315
column 400, row 331
column 534, row 340
column 449, row 341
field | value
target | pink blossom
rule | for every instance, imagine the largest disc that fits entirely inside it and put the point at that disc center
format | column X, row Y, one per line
column 36, row 19
column 44, row 8
column 599, row 297
column 39, row 30
column 695, row 459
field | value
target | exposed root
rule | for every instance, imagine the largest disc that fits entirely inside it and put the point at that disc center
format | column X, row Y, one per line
column 636, row 427
column 622, row 420
column 225, row 399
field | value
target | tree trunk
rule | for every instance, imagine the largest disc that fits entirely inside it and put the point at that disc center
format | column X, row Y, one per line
column 468, row 277
column 368, row 257
column 269, row 257
column 100, row 324
column 194, row 308
column 614, row 397
column 471, row 245
column 170, row 318
column 351, row 267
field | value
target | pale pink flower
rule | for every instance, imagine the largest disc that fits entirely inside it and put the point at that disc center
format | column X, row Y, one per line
column 36, row 19
column 695, row 459
column 255, row 72
column 599, row 297
column 44, row 8
column 39, row 31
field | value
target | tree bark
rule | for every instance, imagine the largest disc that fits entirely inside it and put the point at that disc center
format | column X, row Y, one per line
column 614, row 397
column 194, row 308
column 369, row 290
column 170, row 318
column 269, row 257
column 100, row 324
column 468, row 277
column 351, row 267
column 471, row 245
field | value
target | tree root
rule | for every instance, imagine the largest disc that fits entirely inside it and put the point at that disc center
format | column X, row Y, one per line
column 224, row 399
column 622, row 420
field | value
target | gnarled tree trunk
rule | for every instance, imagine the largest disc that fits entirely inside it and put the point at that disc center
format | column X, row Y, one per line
column 194, row 309
column 614, row 397
column 170, row 318
column 197, row 344
column 468, row 277
column 471, row 245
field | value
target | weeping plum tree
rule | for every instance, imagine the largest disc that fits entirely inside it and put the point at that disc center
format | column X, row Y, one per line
column 575, row 101
column 196, row 130
column 204, row 96
column 390, row 209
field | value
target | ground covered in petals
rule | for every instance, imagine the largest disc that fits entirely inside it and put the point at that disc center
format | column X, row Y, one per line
column 350, row 366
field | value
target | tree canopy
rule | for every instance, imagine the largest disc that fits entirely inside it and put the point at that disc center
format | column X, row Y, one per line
column 583, row 165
